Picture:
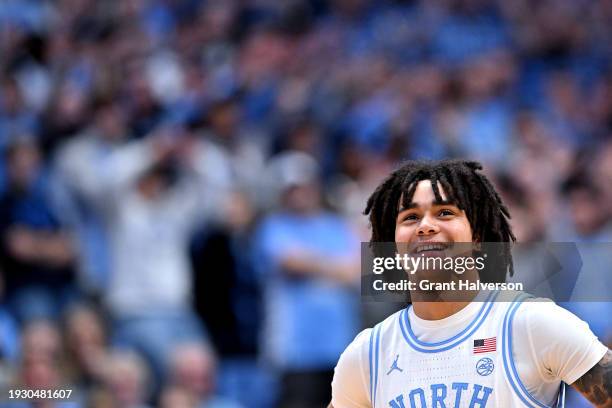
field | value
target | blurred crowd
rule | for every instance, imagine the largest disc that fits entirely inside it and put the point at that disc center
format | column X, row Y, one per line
column 182, row 181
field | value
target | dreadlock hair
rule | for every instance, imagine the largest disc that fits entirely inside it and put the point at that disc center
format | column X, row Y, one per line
column 465, row 186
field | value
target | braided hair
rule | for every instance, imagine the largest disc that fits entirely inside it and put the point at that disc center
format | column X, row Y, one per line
column 465, row 186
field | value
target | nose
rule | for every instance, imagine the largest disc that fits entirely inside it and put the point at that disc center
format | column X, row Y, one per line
column 427, row 227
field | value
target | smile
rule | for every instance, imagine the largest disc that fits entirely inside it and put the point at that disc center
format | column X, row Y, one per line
column 432, row 246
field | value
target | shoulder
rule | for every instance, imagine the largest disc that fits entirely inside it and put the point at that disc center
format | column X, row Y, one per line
column 351, row 386
column 544, row 315
column 357, row 349
column 359, row 352
column 352, row 375
column 543, row 321
column 561, row 344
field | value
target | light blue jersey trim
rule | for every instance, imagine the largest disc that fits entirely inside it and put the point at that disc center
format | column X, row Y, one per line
column 375, row 342
column 371, row 360
column 458, row 339
column 509, row 366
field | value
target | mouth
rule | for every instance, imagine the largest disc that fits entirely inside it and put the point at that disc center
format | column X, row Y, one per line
column 430, row 248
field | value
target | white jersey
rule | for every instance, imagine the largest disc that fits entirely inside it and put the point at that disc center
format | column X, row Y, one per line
column 473, row 368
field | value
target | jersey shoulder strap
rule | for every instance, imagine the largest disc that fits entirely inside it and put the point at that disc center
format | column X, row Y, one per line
column 373, row 356
column 509, row 366
column 374, row 352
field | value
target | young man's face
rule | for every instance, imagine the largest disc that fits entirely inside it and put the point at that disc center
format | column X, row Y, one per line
column 426, row 220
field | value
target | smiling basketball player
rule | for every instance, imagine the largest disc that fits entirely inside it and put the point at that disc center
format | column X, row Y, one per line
column 469, row 352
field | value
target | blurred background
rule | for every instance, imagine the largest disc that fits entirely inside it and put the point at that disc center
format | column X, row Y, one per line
column 182, row 181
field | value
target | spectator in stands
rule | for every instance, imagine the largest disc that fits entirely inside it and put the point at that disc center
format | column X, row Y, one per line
column 86, row 344
column 229, row 298
column 79, row 166
column 176, row 397
column 243, row 153
column 155, row 199
column 126, row 382
column 37, row 252
column 42, row 365
column 193, row 375
column 308, row 259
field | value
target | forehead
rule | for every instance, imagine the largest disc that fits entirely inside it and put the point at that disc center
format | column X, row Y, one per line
column 424, row 194
column 421, row 194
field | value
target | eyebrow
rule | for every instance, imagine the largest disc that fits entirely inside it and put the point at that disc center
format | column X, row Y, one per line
column 434, row 202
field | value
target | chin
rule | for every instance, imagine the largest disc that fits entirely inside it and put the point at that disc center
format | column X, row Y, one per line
column 436, row 275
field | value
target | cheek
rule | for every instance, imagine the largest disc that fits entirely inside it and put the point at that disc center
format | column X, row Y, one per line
column 403, row 233
column 461, row 231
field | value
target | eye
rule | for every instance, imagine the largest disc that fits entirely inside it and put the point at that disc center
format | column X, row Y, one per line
column 410, row 217
column 446, row 212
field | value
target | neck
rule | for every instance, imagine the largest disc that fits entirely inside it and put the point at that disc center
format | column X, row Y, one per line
column 432, row 305
column 437, row 310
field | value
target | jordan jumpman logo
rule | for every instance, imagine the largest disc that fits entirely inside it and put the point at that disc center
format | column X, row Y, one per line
column 394, row 366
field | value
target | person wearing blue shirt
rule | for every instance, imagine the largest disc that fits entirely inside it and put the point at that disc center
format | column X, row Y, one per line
column 37, row 254
column 310, row 273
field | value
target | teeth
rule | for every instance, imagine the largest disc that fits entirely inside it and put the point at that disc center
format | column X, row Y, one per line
column 431, row 247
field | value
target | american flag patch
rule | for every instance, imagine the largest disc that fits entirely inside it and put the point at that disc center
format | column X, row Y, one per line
column 485, row 345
